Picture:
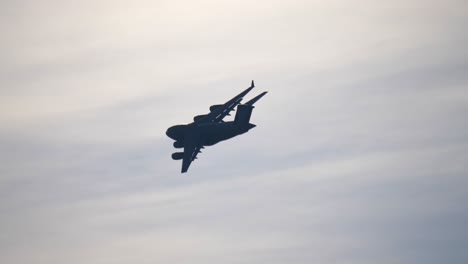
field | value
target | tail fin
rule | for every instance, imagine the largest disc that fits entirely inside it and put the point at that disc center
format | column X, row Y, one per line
column 244, row 111
column 243, row 114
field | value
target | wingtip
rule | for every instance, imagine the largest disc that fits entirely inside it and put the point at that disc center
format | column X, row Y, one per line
column 256, row 98
column 252, row 85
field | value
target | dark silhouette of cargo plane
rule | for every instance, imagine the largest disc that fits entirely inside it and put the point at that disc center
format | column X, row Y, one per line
column 209, row 129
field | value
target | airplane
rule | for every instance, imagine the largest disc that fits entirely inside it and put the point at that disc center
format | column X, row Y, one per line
column 209, row 129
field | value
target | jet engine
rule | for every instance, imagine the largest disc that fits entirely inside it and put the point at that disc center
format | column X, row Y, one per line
column 178, row 144
column 215, row 107
column 198, row 117
column 177, row 155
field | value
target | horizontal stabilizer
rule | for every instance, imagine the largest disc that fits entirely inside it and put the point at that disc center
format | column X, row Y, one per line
column 255, row 99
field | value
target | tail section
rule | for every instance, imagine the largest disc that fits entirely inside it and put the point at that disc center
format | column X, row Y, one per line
column 244, row 112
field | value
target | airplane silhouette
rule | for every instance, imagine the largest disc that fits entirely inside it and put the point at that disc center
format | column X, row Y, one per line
column 209, row 129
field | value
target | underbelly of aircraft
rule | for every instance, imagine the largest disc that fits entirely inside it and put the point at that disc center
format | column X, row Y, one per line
column 217, row 133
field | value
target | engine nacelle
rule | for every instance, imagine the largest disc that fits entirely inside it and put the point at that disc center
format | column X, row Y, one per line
column 178, row 144
column 177, row 155
column 198, row 117
column 215, row 107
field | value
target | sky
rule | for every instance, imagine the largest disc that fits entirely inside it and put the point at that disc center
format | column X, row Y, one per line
column 359, row 154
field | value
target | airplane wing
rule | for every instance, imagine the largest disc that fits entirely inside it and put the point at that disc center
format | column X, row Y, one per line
column 192, row 147
column 217, row 115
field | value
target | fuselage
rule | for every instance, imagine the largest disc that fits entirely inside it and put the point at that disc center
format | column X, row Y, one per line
column 209, row 133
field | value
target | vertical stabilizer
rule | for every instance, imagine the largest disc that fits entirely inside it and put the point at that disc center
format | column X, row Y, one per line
column 243, row 114
column 244, row 111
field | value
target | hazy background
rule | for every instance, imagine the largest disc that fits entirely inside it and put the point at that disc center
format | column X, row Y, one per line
column 360, row 154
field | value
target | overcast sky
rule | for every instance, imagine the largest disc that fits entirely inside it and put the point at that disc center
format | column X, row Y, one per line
column 359, row 155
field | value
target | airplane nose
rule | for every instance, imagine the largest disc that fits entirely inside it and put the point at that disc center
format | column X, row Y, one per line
column 170, row 132
column 176, row 132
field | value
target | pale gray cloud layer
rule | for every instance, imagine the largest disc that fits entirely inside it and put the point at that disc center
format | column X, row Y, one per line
column 359, row 155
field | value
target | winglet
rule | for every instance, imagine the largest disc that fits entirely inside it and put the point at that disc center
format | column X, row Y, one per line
column 255, row 99
column 252, row 85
